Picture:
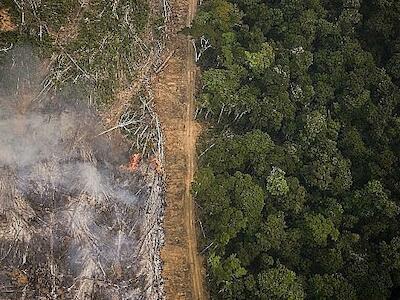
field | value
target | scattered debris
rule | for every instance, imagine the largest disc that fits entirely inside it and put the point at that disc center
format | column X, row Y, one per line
column 19, row 277
column 156, row 165
column 73, row 225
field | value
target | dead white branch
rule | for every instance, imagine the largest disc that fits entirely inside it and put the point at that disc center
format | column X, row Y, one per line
column 204, row 45
column 7, row 48
column 160, row 68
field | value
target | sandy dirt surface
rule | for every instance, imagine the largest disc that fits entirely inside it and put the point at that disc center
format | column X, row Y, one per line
column 6, row 23
column 174, row 96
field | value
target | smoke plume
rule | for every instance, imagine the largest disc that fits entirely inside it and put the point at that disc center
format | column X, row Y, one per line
column 74, row 223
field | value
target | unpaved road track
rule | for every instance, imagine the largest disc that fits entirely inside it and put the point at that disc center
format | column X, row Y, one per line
column 174, row 91
column 190, row 143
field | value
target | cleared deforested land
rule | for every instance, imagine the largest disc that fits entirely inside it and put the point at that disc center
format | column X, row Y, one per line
column 81, row 154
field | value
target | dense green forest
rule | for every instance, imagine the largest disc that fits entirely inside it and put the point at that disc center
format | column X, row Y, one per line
column 298, row 186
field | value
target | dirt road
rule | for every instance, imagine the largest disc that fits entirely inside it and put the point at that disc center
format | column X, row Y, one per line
column 174, row 97
column 190, row 145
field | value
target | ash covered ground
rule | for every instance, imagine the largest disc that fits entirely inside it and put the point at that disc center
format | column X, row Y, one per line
column 74, row 222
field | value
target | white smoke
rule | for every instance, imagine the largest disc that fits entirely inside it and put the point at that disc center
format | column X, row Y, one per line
column 72, row 217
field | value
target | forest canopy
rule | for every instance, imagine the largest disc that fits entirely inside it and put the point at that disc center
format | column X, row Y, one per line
column 298, row 186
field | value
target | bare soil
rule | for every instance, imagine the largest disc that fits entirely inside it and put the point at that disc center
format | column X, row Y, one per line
column 6, row 23
column 174, row 89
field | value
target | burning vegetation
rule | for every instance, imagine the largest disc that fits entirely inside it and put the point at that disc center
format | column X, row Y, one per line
column 73, row 223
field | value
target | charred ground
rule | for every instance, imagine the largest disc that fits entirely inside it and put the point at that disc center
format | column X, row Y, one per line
column 77, row 221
